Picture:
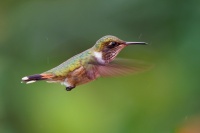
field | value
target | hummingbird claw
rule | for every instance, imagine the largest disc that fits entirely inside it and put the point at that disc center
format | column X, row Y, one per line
column 70, row 88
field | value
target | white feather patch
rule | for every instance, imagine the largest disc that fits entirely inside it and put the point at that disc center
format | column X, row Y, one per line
column 66, row 83
column 29, row 82
column 98, row 56
column 25, row 78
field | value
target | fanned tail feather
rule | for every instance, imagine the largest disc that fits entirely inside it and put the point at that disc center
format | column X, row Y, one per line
column 36, row 77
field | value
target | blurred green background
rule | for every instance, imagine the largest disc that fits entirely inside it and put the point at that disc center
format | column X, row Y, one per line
column 37, row 35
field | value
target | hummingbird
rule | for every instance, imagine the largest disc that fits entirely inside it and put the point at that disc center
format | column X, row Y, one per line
column 97, row 61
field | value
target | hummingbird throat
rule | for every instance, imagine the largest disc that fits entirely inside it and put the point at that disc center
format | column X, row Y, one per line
column 106, row 57
column 109, row 56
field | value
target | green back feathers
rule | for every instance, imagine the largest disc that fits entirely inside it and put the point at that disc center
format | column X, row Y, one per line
column 71, row 64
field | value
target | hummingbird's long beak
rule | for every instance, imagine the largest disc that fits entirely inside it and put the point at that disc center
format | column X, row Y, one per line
column 136, row 43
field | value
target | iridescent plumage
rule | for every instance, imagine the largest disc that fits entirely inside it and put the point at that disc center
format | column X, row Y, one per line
column 89, row 65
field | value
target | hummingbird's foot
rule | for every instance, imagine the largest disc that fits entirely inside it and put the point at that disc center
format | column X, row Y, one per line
column 70, row 88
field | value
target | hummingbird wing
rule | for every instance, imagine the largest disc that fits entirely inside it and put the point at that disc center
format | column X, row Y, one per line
column 120, row 67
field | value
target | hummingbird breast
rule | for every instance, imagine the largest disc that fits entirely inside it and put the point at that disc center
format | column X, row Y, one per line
column 82, row 75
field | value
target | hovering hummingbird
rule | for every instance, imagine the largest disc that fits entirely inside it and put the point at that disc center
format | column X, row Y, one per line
column 97, row 61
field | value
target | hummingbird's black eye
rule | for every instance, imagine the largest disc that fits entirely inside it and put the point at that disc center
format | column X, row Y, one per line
column 113, row 44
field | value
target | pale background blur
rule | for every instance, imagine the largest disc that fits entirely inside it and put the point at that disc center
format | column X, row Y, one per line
column 37, row 35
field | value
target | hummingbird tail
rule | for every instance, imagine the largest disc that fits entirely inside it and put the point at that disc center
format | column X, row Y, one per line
column 36, row 77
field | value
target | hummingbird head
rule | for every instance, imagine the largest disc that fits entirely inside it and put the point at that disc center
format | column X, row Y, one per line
column 108, row 47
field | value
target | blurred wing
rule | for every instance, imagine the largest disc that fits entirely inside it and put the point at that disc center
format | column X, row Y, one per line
column 122, row 67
